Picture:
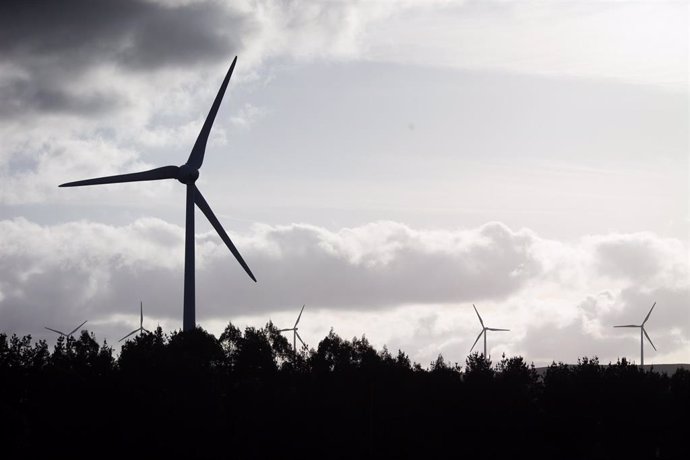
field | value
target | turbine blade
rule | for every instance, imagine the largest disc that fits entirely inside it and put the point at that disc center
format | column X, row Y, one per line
column 475, row 342
column 629, row 325
column 196, row 158
column 494, row 329
column 206, row 209
column 478, row 316
column 650, row 340
column 300, row 315
column 144, row 329
column 300, row 339
column 76, row 328
column 166, row 172
column 141, row 311
column 285, row 330
column 55, row 330
column 650, row 312
column 123, row 338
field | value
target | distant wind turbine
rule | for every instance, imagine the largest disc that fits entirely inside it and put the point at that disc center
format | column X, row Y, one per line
column 66, row 335
column 141, row 327
column 187, row 174
column 643, row 334
column 484, row 329
column 295, row 334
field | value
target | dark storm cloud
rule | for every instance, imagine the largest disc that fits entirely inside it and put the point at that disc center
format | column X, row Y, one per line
column 134, row 33
column 38, row 94
column 48, row 44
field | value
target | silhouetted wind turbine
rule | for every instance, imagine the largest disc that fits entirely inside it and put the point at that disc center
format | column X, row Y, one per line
column 141, row 327
column 295, row 334
column 484, row 329
column 66, row 335
column 643, row 334
column 187, row 174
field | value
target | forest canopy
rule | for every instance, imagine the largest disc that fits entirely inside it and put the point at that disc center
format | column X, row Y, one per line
column 248, row 394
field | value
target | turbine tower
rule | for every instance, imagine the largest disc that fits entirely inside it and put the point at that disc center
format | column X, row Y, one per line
column 187, row 174
column 141, row 327
column 66, row 335
column 295, row 334
column 643, row 334
column 484, row 329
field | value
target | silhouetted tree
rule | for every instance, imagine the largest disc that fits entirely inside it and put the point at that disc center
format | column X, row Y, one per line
column 478, row 370
column 247, row 395
column 195, row 349
column 254, row 356
column 282, row 352
column 144, row 353
column 333, row 355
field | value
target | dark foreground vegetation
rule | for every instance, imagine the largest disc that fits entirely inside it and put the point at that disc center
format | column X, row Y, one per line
column 245, row 395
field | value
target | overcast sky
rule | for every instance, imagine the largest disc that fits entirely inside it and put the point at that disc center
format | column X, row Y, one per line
column 387, row 163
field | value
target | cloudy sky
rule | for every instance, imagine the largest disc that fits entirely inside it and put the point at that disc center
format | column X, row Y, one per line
column 387, row 163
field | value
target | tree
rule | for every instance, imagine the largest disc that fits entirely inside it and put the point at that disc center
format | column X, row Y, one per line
column 255, row 355
column 478, row 370
column 515, row 373
column 333, row 354
column 195, row 350
column 145, row 353
column 282, row 352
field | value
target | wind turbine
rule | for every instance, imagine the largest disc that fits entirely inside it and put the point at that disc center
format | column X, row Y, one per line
column 643, row 334
column 141, row 327
column 484, row 329
column 66, row 335
column 187, row 174
column 295, row 334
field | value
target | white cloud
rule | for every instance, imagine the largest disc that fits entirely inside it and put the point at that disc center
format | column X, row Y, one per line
column 636, row 42
column 247, row 115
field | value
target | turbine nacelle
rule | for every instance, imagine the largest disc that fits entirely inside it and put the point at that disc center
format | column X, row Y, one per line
column 187, row 174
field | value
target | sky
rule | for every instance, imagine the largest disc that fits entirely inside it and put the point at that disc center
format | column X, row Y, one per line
column 386, row 163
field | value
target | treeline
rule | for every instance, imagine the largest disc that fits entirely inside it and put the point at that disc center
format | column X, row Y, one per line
column 247, row 395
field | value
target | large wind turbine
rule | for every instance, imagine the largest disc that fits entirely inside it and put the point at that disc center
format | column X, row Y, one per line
column 66, row 335
column 484, row 329
column 141, row 327
column 295, row 334
column 187, row 174
column 643, row 334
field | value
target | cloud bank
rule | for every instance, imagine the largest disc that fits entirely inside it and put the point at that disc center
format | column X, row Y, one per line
column 544, row 289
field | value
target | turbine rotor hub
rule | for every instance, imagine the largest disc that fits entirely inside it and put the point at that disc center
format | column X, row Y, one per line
column 187, row 174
